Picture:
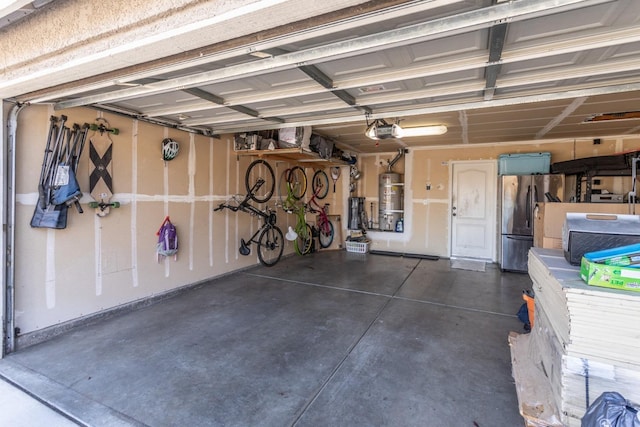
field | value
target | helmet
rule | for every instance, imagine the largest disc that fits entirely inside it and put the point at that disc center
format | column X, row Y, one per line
column 354, row 172
column 169, row 149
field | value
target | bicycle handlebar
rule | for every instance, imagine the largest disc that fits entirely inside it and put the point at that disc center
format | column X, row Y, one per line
column 244, row 203
column 223, row 205
column 244, row 206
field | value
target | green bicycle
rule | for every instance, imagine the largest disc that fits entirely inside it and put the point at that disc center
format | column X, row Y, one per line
column 292, row 187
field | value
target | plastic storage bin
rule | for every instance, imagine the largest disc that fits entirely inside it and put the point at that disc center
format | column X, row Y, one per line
column 524, row 163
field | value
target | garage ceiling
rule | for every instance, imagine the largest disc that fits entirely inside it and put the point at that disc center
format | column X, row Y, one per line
column 492, row 72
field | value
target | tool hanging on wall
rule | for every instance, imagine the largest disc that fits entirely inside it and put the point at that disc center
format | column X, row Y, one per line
column 335, row 174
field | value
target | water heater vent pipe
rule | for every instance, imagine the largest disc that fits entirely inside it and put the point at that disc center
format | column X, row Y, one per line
column 393, row 161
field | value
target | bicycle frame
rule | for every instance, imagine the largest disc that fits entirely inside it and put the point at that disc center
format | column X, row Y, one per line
column 321, row 211
column 303, row 244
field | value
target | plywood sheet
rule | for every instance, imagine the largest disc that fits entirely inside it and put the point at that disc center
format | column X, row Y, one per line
column 587, row 337
column 535, row 399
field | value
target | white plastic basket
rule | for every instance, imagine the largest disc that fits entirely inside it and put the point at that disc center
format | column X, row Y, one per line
column 357, row 247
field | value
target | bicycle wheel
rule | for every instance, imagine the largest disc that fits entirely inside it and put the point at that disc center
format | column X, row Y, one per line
column 270, row 246
column 326, row 234
column 320, row 184
column 303, row 243
column 283, row 191
column 260, row 169
column 298, row 180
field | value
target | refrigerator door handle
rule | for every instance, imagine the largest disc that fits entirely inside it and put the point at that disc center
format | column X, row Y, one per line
column 518, row 237
column 528, row 207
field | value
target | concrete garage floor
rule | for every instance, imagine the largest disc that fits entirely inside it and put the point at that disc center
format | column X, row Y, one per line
column 329, row 339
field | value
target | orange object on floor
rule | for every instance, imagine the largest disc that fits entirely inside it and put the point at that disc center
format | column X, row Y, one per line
column 530, row 306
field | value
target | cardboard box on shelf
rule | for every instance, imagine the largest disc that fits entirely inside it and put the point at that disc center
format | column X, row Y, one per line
column 294, row 137
column 551, row 243
column 549, row 219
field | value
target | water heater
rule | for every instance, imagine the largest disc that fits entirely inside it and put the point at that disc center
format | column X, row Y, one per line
column 390, row 196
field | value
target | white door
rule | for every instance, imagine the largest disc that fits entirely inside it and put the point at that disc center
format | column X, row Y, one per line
column 473, row 209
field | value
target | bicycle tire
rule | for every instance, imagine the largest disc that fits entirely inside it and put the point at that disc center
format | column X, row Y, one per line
column 298, row 180
column 260, row 169
column 270, row 246
column 325, row 237
column 283, row 191
column 320, row 184
column 309, row 243
column 303, row 242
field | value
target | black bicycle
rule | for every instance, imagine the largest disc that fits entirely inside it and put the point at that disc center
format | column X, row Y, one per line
column 270, row 240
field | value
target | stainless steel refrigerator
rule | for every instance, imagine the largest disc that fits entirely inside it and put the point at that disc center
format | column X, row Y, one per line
column 519, row 196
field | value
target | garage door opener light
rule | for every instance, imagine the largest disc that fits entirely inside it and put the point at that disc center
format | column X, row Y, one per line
column 380, row 129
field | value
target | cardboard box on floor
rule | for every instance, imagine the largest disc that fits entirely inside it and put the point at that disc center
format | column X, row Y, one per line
column 549, row 218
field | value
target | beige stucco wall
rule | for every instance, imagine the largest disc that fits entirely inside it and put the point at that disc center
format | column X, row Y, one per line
column 99, row 263
column 427, row 212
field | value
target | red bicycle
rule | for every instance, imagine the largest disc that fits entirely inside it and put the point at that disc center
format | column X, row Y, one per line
column 324, row 227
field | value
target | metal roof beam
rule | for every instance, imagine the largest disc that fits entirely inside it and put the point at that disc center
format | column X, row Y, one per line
column 445, row 90
column 455, row 24
column 203, row 94
column 497, row 37
column 448, row 107
column 544, row 76
column 207, row 96
column 346, row 19
column 326, row 82
column 598, row 40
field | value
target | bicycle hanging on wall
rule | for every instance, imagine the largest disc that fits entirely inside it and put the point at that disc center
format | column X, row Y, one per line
column 291, row 188
column 260, row 183
column 324, row 227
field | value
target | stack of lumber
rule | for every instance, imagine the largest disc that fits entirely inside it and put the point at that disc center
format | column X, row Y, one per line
column 585, row 339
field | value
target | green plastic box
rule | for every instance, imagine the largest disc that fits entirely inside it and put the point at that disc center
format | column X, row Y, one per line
column 600, row 269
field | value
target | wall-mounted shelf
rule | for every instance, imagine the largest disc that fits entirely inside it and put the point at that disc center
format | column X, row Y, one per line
column 295, row 155
column 590, row 167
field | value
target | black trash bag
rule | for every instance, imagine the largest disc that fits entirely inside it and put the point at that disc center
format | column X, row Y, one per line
column 322, row 146
column 612, row 410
